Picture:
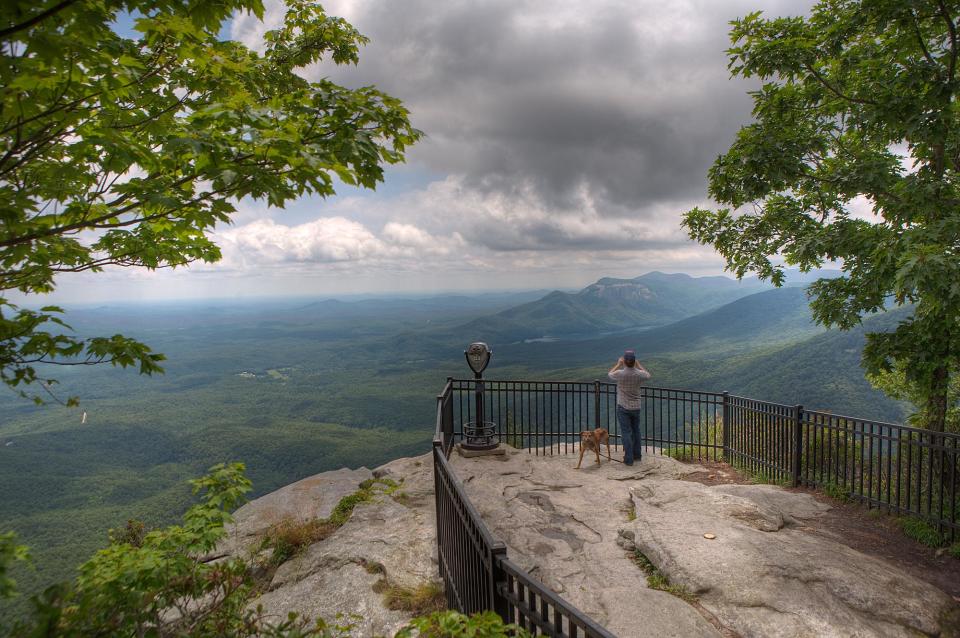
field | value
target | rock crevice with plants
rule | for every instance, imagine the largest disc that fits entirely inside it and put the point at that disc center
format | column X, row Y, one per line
column 355, row 546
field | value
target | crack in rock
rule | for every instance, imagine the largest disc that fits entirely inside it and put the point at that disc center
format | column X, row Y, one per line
column 634, row 476
column 555, row 487
column 596, row 533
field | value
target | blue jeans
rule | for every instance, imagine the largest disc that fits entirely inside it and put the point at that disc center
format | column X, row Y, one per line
column 629, row 421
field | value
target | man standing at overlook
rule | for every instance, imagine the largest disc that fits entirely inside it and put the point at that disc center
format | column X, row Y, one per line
column 629, row 376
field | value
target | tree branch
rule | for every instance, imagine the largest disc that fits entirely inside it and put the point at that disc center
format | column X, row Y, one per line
column 952, row 29
column 155, row 69
column 923, row 44
column 834, row 90
column 40, row 17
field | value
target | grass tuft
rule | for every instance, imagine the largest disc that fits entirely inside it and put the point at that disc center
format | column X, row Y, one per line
column 955, row 550
column 643, row 562
column 289, row 537
column 921, row 531
column 419, row 600
column 758, row 477
column 658, row 580
column 373, row 567
column 680, row 452
column 836, row 492
column 401, row 497
column 341, row 513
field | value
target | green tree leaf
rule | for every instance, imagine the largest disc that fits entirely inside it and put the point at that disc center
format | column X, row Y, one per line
column 140, row 146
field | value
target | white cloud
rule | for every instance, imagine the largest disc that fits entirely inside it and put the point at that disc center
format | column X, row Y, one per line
column 329, row 241
column 249, row 30
column 521, row 220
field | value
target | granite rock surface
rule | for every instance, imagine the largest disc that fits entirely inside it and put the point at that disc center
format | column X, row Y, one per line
column 578, row 531
column 389, row 537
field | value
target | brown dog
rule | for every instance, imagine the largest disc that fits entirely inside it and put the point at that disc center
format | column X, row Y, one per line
column 591, row 440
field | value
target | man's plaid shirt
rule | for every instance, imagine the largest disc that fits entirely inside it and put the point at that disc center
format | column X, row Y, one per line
column 629, row 381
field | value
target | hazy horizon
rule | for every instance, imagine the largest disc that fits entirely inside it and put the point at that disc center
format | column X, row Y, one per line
column 70, row 301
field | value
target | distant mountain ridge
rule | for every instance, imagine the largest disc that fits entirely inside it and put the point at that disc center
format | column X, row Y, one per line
column 770, row 317
column 765, row 346
column 823, row 372
column 611, row 305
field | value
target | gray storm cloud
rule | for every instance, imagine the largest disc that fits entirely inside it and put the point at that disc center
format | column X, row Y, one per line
column 628, row 99
column 554, row 126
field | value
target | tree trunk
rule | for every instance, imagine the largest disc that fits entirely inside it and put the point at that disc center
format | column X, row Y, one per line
column 936, row 408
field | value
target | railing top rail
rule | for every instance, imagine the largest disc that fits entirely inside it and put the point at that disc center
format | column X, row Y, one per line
column 489, row 540
column 446, row 389
column 604, row 383
column 577, row 617
column 769, row 403
column 551, row 381
column 686, row 390
column 899, row 426
column 736, row 397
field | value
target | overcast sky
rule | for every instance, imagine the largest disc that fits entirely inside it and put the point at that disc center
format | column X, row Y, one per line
column 564, row 140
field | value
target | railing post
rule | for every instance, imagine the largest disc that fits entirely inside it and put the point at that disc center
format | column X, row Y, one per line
column 727, row 426
column 596, row 404
column 438, row 449
column 448, row 419
column 497, row 576
column 797, row 444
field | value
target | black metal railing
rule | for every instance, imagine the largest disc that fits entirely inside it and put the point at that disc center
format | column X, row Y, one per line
column 760, row 437
column 548, row 416
column 476, row 573
column 897, row 468
column 532, row 606
column 900, row 469
column 466, row 552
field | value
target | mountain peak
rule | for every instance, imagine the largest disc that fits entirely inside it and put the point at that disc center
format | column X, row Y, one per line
column 619, row 289
column 675, row 276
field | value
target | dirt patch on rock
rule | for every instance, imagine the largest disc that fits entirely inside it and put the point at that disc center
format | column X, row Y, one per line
column 718, row 473
column 875, row 533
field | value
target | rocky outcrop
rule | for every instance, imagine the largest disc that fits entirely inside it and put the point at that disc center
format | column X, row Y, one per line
column 309, row 498
column 763, row 575
column 390, row 537
column 741, row 552
column 561, row 525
